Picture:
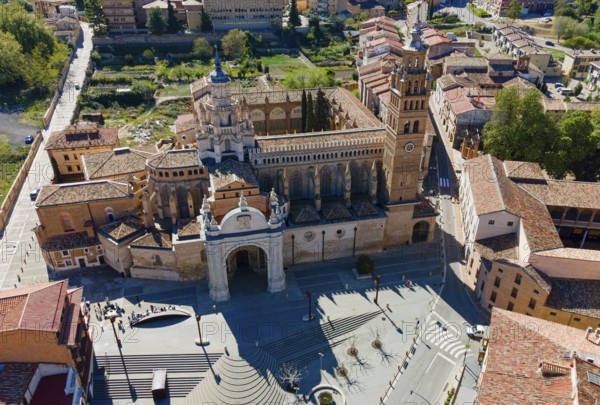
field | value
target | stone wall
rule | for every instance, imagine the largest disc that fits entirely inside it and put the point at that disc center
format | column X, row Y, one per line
column 11, row 197
column 332, row 241
column 191, row 262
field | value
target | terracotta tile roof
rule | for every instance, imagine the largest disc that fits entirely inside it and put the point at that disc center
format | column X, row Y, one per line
column 68, row 333
column 493, row 191
column 118, row 162
column 304, row 212
column 523, row 170
column 499, row 247
column 588, row 391
column 153, row 239
column 566, row 193
column 76, row 193
column 37, row 308
column 320, row 139
column 230, row 171
column 466, row 61
column 519, row 346
column 83, row 135
column 185, row 123
column 14, row 381
column 174, row 159
column 577, row 296
column 540, row 278
column 188, row 229
column 121, row 229
column 71, row 240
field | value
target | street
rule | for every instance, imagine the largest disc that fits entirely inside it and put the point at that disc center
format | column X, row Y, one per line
column 21, row 261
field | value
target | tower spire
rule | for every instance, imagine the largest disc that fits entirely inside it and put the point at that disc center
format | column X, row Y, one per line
column 217, row 59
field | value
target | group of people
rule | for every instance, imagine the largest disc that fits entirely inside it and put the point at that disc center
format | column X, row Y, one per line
column 135, row 318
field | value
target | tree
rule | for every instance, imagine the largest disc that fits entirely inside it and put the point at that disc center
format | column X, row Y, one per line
column 578, row 89
column 11, row 60
column 321, row 112
column 96, row 17
column 173, row 25
column 364, row 265
column 202, row 49
column 28, row 30
column 578, row 140
column 294, row 20
column 234, row 44
column 519, row 128
column 303, row 119
column 310, row 114
column 206, row 24
column 80, row 5
column 290, row 375
column 156, row 23
column 514, row 10
column 563, row 27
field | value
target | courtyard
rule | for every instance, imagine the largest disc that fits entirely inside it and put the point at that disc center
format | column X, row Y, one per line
column 353, row 346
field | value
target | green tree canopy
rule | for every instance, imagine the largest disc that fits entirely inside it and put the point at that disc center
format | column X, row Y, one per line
column 234, row 44
column 519, row 128
column 303, row 108
column 294, row 20
column 202, row 49
column 514, row 10
column 11, row 60
column 310, row 114
column 96, row 17
column 156, row 23
column 173, row 26
column 563, row 27
column 206, row 24
column 27, row 29
column 321, row 112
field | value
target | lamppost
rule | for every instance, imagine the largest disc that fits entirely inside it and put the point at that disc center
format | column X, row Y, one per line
column 199, row 341
column 377, row 281
column 112, row 322
column 321, row 366
column 309, row 316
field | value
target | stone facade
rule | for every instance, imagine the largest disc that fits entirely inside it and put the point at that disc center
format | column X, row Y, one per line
column 230, row 202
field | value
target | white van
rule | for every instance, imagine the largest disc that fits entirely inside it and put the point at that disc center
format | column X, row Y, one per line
column 476, row 331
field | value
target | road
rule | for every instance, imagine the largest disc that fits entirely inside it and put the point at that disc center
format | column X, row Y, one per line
column 444, row 347
column 21, row 261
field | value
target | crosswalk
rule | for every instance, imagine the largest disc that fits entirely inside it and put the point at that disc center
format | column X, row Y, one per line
column 447, row 338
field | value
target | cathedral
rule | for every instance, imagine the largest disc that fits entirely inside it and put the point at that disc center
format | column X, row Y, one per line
column 243, row 189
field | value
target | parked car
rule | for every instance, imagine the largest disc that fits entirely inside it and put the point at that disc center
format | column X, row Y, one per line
column 558, row 85
column 77, row 86
column 546, row 19
column 565, row 91
column 476, row 331
column 549, row 43
column 34, row 194
column 29, row 139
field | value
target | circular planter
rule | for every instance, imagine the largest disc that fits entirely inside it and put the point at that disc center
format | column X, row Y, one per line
column 342, row 371
column 376, row 344
column 352, row 351
column 325, row 398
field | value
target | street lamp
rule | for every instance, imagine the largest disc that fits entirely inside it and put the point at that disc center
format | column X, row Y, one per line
column 377, row 281
column 112, row 322
column 309, row 316
column 199, row 341
column 321, row 356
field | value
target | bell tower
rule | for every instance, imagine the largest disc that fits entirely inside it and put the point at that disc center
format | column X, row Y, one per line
column 406, row 120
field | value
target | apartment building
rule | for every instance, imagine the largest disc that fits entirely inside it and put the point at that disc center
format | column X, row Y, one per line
column 66, row 147
column 256, row 15
column 498, row 8
column 48, row 8
column 529, row 240
column 578, row 62
column 121, row 15
column 46, row 355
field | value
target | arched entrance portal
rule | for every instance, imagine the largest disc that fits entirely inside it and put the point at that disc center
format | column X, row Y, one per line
column 247, row 269
column 420, row 231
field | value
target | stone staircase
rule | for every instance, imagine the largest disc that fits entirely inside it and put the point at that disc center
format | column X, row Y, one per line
column 305, row 346
column 130, row 377
column 236, row 381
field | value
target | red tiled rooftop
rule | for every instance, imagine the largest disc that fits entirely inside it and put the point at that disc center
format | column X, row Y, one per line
column 33, row 308
column 14, row 381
